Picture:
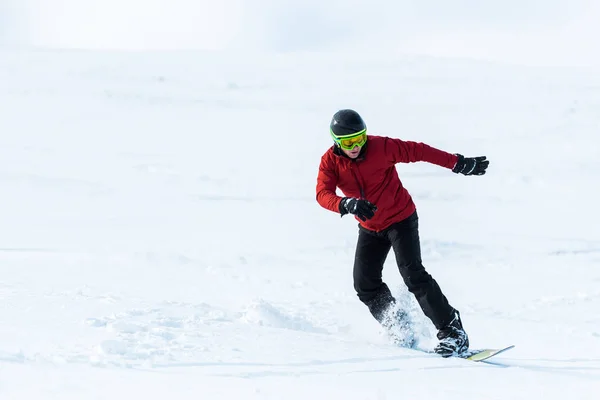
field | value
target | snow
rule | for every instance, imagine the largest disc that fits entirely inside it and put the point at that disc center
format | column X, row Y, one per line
column 535, row 32
column 161, row 237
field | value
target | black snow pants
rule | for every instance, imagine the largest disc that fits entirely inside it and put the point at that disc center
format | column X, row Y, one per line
column 371, row 252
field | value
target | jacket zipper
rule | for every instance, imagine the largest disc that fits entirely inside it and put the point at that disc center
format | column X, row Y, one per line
column 362, row 192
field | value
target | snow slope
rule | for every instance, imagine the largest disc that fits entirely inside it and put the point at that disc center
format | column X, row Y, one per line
column 161, row 239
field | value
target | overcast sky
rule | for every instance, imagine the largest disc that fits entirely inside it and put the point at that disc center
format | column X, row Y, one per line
column 553, row 31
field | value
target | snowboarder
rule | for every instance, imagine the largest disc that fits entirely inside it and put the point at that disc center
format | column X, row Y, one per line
column 363, row 167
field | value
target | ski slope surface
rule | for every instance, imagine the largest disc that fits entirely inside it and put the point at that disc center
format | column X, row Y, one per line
column 160, row 236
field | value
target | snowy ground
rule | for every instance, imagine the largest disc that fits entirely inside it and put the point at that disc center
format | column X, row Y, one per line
column 161, row 239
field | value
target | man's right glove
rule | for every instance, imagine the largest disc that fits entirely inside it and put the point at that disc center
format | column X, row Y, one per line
column 359, row 207
column 470, row 165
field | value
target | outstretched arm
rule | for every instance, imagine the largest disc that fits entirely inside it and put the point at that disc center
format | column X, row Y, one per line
column 400, row 151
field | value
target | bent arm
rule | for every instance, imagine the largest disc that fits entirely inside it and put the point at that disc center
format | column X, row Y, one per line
column 326, row 185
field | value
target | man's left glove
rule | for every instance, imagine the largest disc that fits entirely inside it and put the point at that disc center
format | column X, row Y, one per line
column 470, row 165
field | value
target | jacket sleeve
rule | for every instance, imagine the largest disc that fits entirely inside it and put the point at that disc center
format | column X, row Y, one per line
column 326, row 186
column 400, row 151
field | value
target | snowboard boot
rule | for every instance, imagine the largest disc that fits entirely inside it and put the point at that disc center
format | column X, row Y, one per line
column 399, row 328
column 453, row 338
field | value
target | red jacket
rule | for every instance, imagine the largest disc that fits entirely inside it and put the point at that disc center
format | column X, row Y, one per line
column 373, row 176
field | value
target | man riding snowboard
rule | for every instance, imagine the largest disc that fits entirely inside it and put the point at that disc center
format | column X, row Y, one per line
column 363, row 167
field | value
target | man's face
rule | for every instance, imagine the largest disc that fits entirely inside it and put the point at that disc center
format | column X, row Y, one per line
column 352, row 153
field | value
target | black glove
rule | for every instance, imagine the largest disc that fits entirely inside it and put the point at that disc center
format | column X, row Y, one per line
column 470, row 165
column 359, row 207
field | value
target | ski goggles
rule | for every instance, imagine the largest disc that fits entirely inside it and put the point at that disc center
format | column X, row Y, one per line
column 349, row 142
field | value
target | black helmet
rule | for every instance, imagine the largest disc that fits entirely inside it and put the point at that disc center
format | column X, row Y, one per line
column 346, row 122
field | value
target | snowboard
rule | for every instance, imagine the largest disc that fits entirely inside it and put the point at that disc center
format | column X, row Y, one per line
column 483, row 354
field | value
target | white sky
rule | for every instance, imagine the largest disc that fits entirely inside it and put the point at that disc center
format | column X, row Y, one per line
column 552, row 31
